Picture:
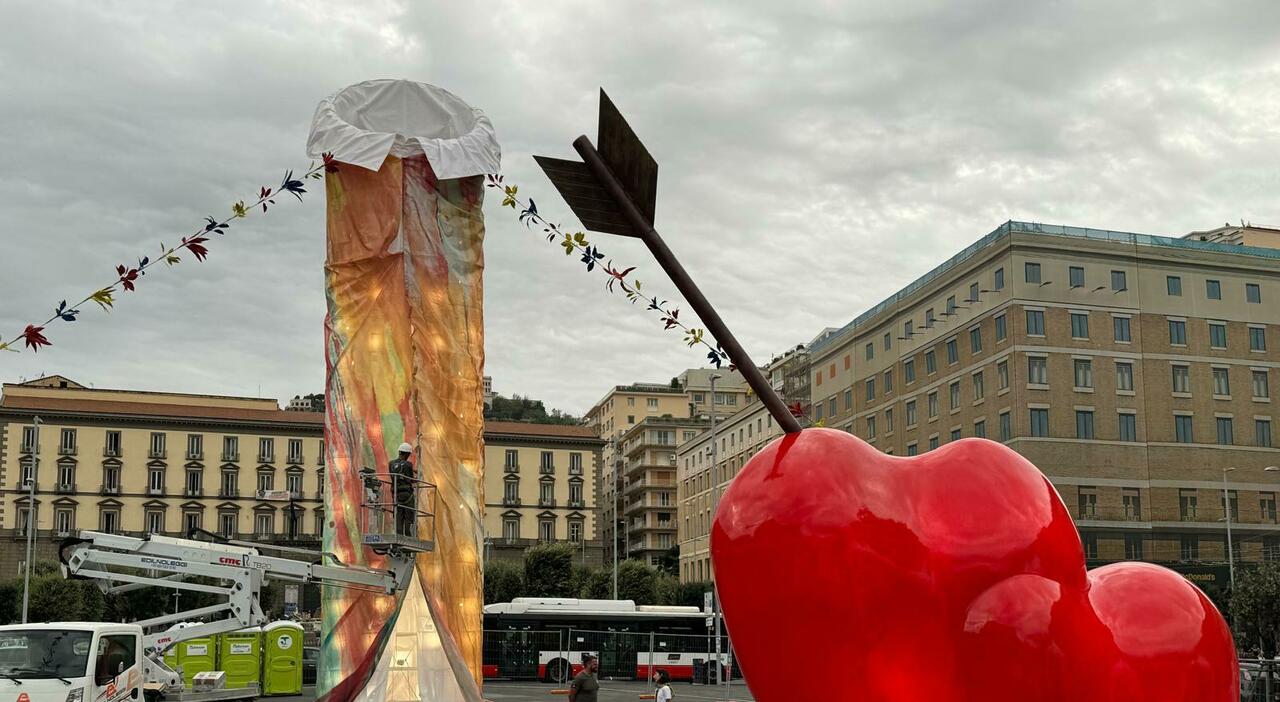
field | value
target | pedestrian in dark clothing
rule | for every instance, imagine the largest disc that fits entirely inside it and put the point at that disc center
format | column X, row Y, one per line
column 585, row 687
column 403, row 475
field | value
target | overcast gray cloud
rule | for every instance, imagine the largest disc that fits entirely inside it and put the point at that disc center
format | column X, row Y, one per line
column 815, row 157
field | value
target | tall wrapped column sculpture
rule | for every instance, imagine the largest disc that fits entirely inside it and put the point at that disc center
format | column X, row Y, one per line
column 404, row 342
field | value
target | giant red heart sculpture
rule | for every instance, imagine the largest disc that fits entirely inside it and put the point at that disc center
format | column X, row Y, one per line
column 954, row 576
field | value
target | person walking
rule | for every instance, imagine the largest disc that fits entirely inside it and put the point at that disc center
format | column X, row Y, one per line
column 585, row 687
column 403, row 476
column 662, row 685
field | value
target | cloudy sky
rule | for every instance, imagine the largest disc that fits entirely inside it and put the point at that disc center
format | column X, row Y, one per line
column 815, row 157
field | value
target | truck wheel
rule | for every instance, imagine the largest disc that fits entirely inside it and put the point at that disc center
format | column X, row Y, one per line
column 557, row 671
column 151, row 696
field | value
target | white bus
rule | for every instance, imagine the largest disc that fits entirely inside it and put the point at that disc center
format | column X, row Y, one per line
column 544, row 639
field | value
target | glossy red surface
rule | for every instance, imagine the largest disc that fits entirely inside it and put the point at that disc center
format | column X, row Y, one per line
column 956, row 575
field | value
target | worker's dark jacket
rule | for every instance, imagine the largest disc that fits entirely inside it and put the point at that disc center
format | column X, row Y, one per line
column 405, row 488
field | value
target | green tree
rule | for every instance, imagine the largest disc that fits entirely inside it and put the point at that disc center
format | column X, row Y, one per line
column 1255, row 608
column 503, row 581
column 638, row 582
column 10, row 602
column 597, row 584
column 55, row 599
column 548, row 570
column 669, row 563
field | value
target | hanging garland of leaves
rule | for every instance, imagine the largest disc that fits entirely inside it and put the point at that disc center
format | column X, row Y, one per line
column 196, row 244
column 618, row 279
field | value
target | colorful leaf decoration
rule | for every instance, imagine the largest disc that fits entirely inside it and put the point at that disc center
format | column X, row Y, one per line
column 33, row 338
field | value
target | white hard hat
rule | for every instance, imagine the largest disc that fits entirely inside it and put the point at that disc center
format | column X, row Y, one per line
column 406, row 448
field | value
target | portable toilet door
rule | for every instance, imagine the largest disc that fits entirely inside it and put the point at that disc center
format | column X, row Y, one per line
column 282, row 658
column 196, row 656
column 240, row 656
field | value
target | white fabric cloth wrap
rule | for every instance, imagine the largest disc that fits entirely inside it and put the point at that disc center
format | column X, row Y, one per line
column 362, row 123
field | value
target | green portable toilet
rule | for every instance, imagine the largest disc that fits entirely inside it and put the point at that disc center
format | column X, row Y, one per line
column 240, row 656
column 196, row 656
column 282, row 658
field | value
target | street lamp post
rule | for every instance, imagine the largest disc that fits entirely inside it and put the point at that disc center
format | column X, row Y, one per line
column 1226, row 508
column 31, row 518
column 613, row 517
column 715, row 503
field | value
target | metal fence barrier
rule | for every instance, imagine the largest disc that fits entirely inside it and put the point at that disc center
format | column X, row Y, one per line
column 1259, row 680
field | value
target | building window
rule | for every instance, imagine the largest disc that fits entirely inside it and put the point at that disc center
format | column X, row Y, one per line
column 293, row 483
column 1131, row 501
column 511, row 464
column 1118, row 281
column 1079, row 325
column 888, row 420
column 888, row 340
column 1002, row 374
column 1128, row 425
column 978, row 391
column 871, row 427
column 997, row 281
column 575, row 463
column 1174, row 285
column 953, row 354
column 1267, row 504
column 871, row 389
column 1252, row 293
column 266, row 481
column 1038, row 370
column 1257, row 339
column 1006, row 426
column 1213, row 289
column 1032, row 272
column 67, row 477
column 1188, row 505
column 1262, row 432
column 1189, row 548
column 631, row 418
column 1182, row 379
column 888, row 381
column 155, row 521
column 933, row 442
column 191, row 521
column 109, row 520
column 1124, row 376
column 1039, row 422
column 955, row 434
column 1083, row 373
column 909, row 370
column 911, row 413
column 30, row 439
column 928, row 318
column 1084, row 424
column 848, row 400
column 975, row 340
column 1233, row 504
column 112, row 448
column 111, row 479
column 227, row 524
column 870, row 351
column 155, row 481
column 195, row 483
column 1221, row 381
column 263, row 524
column 954, row 391
column 652, row 403
column 699, row 397
column 1002, row 330
column 575, row 494
column 1121, row 327
column 1035, row 322
column 546, row 463
column 631, row 402
column 817, row 414
column 230, row 484
column 908, row 329
column 575, row 530
column 510, row 528
column 1177, row 332
column 913, row 449
column 933, row 404
column 546, row 494
column 831, row 412
column 320, row 456
column 157, row 445
column 980, row 428
column 1133, row 547
column 1182, row 429
column 1088, row 503
column 1217, row 335
column 951, row 305
column 511, row 492
column 546, row 530
column 266, row 450
column 930, row 362
column 67, row 442
column 64, row 521
column 1225, row 435
column 231, row 448
column 973, row 292
column 295, row 451
column 1076, row 276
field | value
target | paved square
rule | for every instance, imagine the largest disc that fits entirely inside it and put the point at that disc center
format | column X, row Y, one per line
column 611, row 691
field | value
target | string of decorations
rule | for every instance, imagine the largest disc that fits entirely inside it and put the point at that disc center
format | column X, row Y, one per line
column 618, row 279
column 128, row 277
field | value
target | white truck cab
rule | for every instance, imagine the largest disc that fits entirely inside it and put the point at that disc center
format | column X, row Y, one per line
column 71, row 662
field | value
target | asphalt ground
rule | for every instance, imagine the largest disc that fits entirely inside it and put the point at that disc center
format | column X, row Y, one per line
column 611, row 691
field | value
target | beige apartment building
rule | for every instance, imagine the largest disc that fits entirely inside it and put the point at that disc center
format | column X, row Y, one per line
column 737, row 439
column 1135, row 371
column 624, row 406
column 648, row 500
column 149, row 462
column 540, row 486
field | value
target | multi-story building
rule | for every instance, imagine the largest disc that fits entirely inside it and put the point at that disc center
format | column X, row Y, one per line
column 626, row 405
column 1136, row 371
column 136, row 462
column 306, row 403
column 648, row 499
column 540, row 485
column 149, row 462
column 737, row 438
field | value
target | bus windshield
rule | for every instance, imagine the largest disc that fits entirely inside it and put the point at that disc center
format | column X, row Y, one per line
column 44, row 653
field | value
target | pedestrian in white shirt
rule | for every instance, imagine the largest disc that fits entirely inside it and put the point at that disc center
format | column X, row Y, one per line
column 662, row 680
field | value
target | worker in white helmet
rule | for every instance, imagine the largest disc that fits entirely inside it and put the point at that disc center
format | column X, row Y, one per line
column 403, row 475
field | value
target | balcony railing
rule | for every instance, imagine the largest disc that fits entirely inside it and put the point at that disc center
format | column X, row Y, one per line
column 66, row 450
column 157, row 453
column 110, row 451
column 510, row 501
column 29, row 448
column 194, row 492
column 228, row 493
column 266, row 458
column 546, row 502
column 110, row 489
column 152, row 490
column 577, row 504
column 295, row 458
column 231, row 457
column 195, row 455
column 66, row 488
